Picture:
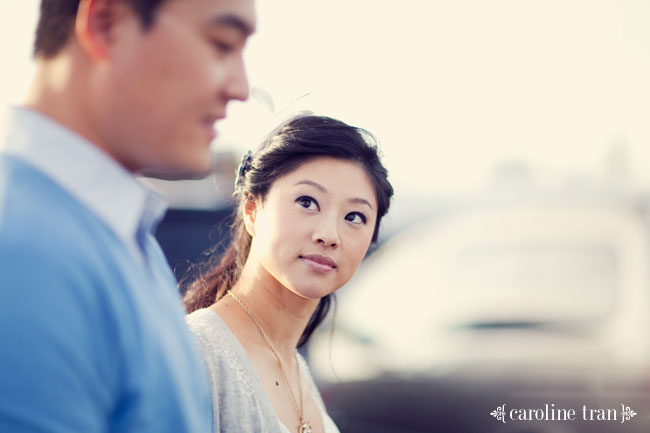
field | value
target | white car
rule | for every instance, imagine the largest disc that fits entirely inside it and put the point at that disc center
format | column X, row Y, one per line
column 551, row 302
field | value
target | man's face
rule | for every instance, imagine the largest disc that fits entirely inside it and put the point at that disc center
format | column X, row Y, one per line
column 162, row 89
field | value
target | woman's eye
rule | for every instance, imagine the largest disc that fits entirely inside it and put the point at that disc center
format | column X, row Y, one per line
column 356, row 218
column 307, row 202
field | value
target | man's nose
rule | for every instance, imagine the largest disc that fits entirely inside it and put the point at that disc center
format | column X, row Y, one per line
column 238, row 87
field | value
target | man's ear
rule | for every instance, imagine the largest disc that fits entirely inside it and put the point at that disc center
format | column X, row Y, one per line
column 250, row 210
column 95, row 25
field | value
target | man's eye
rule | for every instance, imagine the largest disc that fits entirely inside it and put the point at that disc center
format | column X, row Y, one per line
column 222, row 47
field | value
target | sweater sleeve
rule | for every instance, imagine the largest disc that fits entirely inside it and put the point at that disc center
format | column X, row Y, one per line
column 52, row 374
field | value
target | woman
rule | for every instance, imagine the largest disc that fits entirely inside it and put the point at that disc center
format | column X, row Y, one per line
column 309, row 205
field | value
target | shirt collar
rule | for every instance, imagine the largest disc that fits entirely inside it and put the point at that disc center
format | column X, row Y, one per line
column 84, row 170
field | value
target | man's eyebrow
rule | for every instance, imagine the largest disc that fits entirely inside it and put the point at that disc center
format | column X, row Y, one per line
column 234, row 21
column 322, row 188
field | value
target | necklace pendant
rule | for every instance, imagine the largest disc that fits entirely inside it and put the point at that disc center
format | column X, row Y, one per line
column 305, row 427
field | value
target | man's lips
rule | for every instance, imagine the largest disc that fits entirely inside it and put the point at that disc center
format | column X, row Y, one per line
column 209, row 124
column 213, row 118
column 319, row 263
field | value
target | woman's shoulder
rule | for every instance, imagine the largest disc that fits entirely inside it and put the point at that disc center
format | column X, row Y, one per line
column 205, row 323
column 216, row 341
column 223, row 355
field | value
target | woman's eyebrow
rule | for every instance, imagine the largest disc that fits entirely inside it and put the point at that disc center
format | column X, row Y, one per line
column 323, row 189
column 312, row 183
column 360, row 201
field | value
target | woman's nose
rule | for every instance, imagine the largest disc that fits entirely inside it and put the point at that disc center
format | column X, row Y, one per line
column 327, row 235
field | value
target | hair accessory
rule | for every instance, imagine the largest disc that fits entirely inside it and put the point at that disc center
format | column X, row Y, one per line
column 244, row 166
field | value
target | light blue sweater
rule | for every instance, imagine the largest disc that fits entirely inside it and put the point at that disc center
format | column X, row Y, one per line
column 89, row 339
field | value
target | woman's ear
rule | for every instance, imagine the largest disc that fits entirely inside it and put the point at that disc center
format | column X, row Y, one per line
column 250, row 209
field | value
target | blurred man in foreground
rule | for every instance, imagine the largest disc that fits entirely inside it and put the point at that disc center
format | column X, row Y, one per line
column 92, row 336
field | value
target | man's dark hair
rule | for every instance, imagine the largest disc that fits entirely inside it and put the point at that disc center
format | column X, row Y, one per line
column 57, row 18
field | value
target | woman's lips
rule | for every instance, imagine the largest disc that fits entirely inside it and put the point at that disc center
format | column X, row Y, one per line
column 319, row 263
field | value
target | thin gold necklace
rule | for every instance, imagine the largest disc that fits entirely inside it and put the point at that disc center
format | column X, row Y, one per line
column 304, row 426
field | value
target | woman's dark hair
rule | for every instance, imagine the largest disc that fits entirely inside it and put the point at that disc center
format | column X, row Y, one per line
column 57, row 19
column 291, row 145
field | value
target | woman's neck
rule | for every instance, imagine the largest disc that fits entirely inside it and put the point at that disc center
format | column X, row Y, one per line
column 282, row 314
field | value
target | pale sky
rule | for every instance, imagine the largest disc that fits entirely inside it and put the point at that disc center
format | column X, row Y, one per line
column 449, row 87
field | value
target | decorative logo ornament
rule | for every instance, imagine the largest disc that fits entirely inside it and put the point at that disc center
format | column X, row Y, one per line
column 626, row 413
column 500, row 413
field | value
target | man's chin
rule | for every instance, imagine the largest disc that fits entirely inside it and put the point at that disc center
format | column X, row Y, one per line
column 177, row 174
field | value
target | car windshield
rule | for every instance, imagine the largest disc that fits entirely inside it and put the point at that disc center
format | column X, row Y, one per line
column 570, row 277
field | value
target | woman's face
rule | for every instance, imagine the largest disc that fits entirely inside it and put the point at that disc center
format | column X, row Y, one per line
column 314, row 226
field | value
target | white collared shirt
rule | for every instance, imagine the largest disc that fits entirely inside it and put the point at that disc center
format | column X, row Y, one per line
column 115, row 195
